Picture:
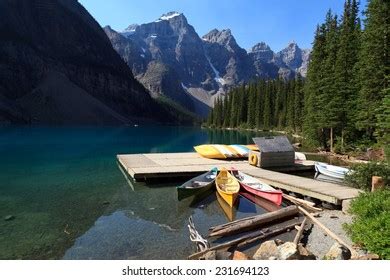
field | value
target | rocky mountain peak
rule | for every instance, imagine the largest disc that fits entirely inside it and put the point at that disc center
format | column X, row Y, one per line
column 173, row 17
column 130, row 30
column 290, row 56
column 260, row 47
column 170, row 15
column 222, row 37
column 292, row 44
column 217, row 36
column 261, row 52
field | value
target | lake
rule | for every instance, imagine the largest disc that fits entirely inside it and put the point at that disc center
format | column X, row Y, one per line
column 71, row 200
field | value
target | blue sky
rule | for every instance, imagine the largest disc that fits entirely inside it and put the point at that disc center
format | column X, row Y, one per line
column 276, row 22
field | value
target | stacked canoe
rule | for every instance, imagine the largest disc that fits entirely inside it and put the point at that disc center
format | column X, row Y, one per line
column 218, row 151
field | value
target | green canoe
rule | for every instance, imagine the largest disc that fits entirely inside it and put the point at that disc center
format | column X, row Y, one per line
column 197, row 185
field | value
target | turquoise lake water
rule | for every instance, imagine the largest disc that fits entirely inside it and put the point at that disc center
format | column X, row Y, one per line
column 71, row 200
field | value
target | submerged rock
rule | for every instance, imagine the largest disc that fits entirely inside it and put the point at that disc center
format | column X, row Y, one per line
column 9, row 218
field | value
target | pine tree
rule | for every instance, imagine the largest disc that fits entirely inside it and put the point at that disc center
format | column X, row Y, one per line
column 252, row 106
column 267, row 107
column 329, row 99
column 374, row 64
column 226, row 111
column 233, row 109
column 290, row 96
column 312, row 88
column 298, row 104
column 383, row 116
column 345, row 67
column 259, row 104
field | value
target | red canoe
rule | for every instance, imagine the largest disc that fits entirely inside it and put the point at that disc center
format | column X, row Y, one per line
column 256, row 187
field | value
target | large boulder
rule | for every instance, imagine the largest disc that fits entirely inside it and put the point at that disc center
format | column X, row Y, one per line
column 305, row 254
column 237, row 255
column 338, row 252
column 288, row 251
column 267, row 250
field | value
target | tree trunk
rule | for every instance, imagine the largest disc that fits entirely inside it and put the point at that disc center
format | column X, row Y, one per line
column 331, row 139
column 247, row 224
column 246, row 239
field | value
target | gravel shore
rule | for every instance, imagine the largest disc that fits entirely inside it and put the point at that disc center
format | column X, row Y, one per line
column 318, row 241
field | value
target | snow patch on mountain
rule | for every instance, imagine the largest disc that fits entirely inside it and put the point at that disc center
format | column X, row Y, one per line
column 168, row 16
column 217, row 78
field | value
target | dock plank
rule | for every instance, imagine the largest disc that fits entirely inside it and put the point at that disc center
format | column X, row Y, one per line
column 171, row 165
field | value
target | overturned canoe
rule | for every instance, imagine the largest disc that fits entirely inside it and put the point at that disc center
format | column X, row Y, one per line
column 215, row 151
column 331, row 170
column 197, row 185
column 240, row 150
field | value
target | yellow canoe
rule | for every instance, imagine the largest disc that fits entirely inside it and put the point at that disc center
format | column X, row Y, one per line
column 252, row 147
column 215, row 151
column 227, row 186
column 230, row 212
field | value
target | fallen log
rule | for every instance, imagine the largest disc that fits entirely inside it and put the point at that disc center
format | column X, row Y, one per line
column 301, row 202
column 324, row 228
column 253, row 222
column 246, row 239
column 300, row 231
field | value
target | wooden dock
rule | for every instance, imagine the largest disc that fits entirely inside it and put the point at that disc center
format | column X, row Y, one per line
column 142, row 167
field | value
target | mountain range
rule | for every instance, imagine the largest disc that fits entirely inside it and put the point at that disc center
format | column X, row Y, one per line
column 170, row 59
column 57, row 66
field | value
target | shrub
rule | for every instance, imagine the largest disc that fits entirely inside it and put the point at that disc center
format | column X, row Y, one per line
column 371, row 222
column 362, row 173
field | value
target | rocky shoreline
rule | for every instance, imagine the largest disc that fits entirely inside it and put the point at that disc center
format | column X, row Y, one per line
column 315, row 244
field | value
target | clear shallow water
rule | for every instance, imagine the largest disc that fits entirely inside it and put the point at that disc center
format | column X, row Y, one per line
column 71, row 200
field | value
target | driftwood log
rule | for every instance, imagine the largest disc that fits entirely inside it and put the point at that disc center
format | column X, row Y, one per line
column 246, row 239
column 253, row 222
column 300, row 231
column 303, row 203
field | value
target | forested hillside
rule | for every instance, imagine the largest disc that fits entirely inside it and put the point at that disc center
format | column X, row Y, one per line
column 265, row 104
